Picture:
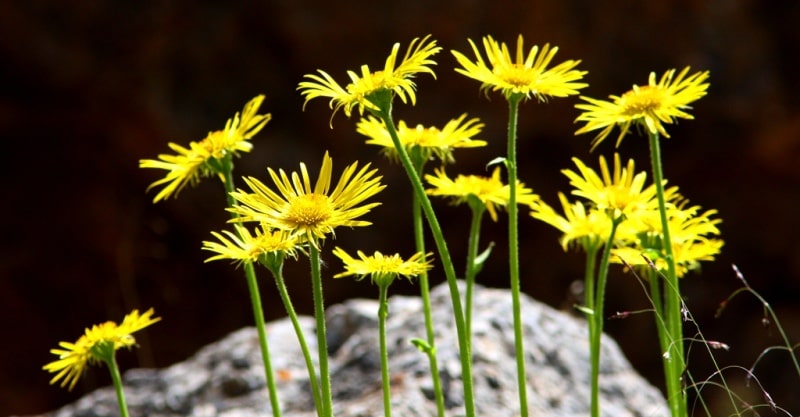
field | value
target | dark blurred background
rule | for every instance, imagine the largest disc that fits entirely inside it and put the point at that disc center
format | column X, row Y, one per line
column 89, row 88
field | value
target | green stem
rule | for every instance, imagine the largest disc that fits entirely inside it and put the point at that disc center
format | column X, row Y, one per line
column 672, row 294
column 419, row 240
column 513, row 250
column 598, row 317
column 255, row 295
column 287, row 303
column 588, row 280
column 383, row 312
column 322, row 338
column 258, row 313
column 472, row 253
column 385, row 114
column 117, row 380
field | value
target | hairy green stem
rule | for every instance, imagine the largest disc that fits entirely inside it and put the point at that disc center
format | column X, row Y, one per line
column 287, row 303
column 472, row 254
column 597, row 319
column 111, row 362
column 383, row 312
column 673, row 314
column 513, row 251
column 588, row 295
column 419, row 240
column 383, row 100
column 255, row 295
column 322, row 338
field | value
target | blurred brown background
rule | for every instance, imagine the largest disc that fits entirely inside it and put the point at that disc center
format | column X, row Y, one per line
column 91, row 87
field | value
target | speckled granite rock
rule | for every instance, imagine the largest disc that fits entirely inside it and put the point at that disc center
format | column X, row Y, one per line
column 226, row 377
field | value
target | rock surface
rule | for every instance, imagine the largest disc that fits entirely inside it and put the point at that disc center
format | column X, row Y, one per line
column 226, row 378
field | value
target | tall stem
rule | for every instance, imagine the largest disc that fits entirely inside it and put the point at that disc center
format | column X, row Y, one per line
column 513, row 251
column 588, row 295
column 419, row 240
column 255, row 295
column 385, row 113
column 472, row 254
column 672, row 295
column 117, row 381
column 596, row 329
column 287, row 303
column 383, row 312
column 258, row 313
column 322, row 338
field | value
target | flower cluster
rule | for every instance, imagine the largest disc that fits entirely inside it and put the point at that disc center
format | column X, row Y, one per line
column 92, row 347
column 621, row 195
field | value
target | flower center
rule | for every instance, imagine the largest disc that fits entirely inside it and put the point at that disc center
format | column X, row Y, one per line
column 642, row 100
column 214, row 144
column 309, row 210
column 517, row 75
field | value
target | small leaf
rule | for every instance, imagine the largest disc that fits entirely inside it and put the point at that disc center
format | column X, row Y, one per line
column 585, row 310
column 482, row 257
column 496, row 161
column 422, row 345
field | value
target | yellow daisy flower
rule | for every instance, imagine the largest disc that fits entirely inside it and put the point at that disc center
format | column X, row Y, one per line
column 201, row 159
column 691, row 235
column 244, row 246
column 651, row 105
column 396, row 79
column 306, row 212
column 620, row 194
column 382, row 269
column 527, row 75
column 74, row 358
column 429, row 140
column 490, row 191
column 589, row 229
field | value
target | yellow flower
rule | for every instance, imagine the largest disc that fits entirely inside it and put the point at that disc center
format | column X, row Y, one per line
column 243, row 246
column 651, row 105
column 306, row 212
column 590, row 229
column 690, row 234
column 358, row 92
column 490, row 191
column 201, row 159
column 429, row 140
column 383, row 269
column 622, row 194
column 74, row 358
column 525, row 75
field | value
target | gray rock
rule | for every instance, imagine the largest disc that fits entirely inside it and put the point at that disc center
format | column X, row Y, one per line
column 226, row 379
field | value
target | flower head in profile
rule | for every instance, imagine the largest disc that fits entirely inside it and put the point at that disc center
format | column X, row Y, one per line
column 395, row 77
column 523, row 74
column 490, row 191
column 651, row 106
column 430, row 141
column 306, row 212
column 586, row 227
column 244, row 246
column 619, row 193
column 382, row 269
column 202, row 159
column 94, row 345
